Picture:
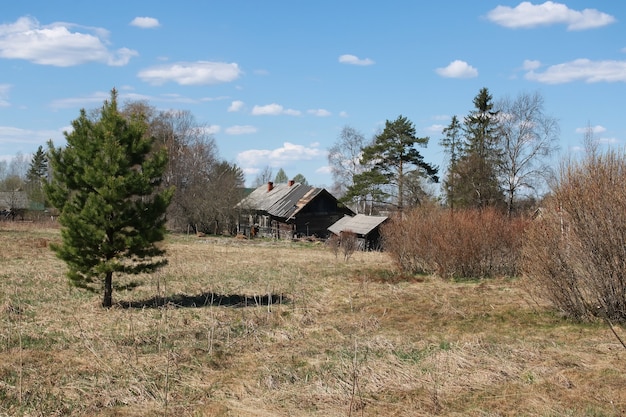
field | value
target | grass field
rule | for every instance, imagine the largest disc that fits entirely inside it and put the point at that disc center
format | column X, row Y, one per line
column 240, row 328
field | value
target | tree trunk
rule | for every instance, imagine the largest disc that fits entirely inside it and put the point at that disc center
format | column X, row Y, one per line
column 107, row 300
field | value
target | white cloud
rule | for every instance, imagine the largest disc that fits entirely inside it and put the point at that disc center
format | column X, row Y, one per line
column 355, row 60
column 4, row 95
column 273, row 110
column 14, row 135
column 81, row 102
column 192, row 73
column 326, row 169
column 530, row 64
column 528, row 15
column 145, row 22
column 58, row 45
column 581, row 70
column 212, row 129
column 343, row 114
column 278, row 157
column 458, row 69
column 436, row 128
column 241, row 130
column 236, row 106
column 594, row 129
column 97, row 98
column 319, row 112
column 608, row 141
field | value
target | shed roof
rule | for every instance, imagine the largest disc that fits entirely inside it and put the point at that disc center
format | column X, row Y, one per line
column 359, row 224
column 283, row 200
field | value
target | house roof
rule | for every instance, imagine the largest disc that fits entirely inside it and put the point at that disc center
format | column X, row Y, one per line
column 359, row 224
column 283, row 200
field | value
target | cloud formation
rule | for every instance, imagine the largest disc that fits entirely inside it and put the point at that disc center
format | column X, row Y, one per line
column 319, row 112
column 236, row 106
column 273, row 110
column 458, row 69
column 581, row 70
column 145, row 22
column 279, row 157
column 527, row 15
column 594, row 129
column 14, row 135
column 241, row 130
column 355, row 60
column 57, row 45
column 4, row 95
column 192, row 73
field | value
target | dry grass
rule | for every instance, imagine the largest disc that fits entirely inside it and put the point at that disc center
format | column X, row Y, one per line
column 337, row 339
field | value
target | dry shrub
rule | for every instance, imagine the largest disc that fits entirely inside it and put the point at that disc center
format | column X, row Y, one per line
column 346, row 242
column 349, row 243
column 455, row 244
column 575, row 252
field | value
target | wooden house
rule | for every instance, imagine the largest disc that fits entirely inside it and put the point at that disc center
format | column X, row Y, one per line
column 288, row 211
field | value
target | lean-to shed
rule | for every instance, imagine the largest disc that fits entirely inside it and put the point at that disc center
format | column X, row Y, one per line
column 366, row 228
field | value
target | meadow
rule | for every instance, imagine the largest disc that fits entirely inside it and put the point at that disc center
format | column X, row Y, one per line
column 265, row 328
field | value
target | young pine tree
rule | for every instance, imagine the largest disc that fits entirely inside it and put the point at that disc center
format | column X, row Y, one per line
column 105, row 183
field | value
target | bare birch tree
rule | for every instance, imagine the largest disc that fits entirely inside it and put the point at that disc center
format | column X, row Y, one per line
column 528, row 137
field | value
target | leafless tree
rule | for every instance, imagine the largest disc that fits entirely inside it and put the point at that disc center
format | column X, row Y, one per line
column 344, row 160
column 207, row 188
column 528, row 138
column 266, row 175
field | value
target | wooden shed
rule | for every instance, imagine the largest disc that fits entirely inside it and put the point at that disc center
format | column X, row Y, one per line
column 366, row 228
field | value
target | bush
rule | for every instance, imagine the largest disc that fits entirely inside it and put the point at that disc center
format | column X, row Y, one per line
column 575, row 251
column 347, row 242
column 455, row 244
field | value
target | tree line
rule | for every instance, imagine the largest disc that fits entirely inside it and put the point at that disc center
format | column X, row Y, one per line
column 498, row 156
column 206, row 187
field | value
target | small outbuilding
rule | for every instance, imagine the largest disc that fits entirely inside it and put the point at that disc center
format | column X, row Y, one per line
column 366, row 228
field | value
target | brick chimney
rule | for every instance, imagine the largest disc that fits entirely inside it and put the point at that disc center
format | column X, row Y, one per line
column 270, row 186
column 291, row 182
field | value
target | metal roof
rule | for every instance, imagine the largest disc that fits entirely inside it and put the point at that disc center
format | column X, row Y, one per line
column 359, row 224
column 283, row 200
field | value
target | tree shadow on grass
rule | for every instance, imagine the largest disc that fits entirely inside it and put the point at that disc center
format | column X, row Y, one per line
column 205, row 300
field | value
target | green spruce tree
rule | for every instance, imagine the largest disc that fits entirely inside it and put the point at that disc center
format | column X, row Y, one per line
column 477, row 169
column 105, row 183
column 36, row 177
column 281, row 177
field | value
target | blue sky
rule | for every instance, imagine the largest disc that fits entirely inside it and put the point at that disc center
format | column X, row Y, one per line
column 276, row 81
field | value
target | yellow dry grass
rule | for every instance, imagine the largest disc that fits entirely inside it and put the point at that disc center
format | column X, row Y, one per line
column 262, row 328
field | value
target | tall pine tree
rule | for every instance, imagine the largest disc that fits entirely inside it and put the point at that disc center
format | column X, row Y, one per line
column 105, row 183
column 396, row 161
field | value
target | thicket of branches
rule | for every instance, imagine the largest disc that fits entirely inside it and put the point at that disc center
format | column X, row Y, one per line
column 575, row 251
column 465, row 243
column 206, row 187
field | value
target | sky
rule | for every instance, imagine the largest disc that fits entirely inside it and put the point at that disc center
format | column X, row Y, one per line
column 274, row 82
